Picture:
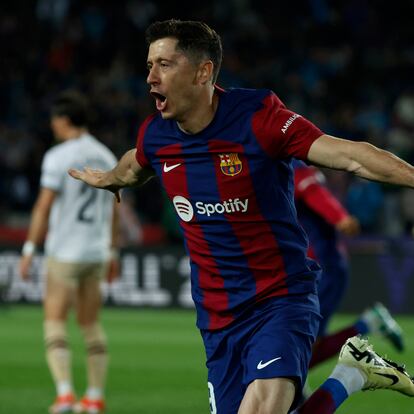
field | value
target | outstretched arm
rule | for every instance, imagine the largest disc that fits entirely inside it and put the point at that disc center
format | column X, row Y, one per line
column 362, row 159
column 127, row 173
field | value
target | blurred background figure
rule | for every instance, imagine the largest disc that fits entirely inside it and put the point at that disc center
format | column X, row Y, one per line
column 80, row 247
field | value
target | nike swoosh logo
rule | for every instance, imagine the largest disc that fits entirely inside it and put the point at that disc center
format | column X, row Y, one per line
column 262, row 364
column 393, row 378
column 171, row 167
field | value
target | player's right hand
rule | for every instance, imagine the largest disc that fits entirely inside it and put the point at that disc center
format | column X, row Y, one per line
column 113, row 271
column 95, row 178
column 24, row 266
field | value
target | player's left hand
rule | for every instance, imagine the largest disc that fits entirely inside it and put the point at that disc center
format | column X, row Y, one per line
column 349, row 226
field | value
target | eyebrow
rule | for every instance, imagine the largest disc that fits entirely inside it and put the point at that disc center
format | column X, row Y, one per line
column 159, row 59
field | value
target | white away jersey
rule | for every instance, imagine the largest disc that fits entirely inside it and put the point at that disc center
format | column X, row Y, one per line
column 80, row 222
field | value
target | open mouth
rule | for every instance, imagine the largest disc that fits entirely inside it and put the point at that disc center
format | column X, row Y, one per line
column 160, row 100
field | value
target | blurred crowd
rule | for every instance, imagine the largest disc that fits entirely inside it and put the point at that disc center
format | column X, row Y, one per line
column 347, row 65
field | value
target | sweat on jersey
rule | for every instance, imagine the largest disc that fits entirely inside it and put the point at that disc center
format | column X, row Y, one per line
column 80, row 222
column 232, row 188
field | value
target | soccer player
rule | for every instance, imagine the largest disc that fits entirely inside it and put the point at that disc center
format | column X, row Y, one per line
column 81, row 247
column 224, row 158
column 323, row 217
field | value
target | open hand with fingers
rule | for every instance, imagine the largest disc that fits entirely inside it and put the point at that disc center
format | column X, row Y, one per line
column 96, row 178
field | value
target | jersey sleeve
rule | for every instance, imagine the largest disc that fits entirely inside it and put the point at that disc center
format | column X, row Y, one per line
column 140, row 146
column 310, row 190
column 53, row 171
column 281, row 132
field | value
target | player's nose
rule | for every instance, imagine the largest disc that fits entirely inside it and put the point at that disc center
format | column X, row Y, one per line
column 153, row 78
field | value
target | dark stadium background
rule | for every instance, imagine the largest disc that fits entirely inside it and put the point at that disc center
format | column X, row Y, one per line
column 346, row 65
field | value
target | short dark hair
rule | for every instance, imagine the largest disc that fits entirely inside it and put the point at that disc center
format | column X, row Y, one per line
column 195, row 38
column 74, row 105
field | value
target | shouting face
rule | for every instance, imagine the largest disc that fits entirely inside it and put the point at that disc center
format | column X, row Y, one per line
column 175, row 80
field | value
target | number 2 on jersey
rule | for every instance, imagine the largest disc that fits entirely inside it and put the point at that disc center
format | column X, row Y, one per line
column 88, row 195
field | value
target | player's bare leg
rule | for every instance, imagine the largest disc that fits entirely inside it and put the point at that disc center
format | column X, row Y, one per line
column 88, row 307
column 57, row 302
column 268, row 396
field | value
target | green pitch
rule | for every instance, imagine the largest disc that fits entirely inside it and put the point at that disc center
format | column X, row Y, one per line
column 157, row 364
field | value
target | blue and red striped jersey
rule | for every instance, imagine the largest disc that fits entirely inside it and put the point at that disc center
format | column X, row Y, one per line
column 232, row 188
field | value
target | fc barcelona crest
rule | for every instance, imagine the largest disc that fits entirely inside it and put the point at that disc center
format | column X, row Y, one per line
column 230, row 164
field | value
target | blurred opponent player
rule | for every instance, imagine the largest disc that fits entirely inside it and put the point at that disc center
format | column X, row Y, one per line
column 81, row 242
column 323, row 217
column 225, row 160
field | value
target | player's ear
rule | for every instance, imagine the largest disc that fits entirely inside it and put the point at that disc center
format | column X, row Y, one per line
column 205, row 72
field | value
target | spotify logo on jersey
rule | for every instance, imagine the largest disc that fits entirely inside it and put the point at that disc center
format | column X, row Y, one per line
column 184, row 208
column 186, row 212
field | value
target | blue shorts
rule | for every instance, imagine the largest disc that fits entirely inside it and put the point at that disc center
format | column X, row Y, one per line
column 272, row 340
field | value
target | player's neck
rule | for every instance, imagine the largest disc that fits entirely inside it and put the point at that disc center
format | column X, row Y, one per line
column 74, row 133
column 201, row 116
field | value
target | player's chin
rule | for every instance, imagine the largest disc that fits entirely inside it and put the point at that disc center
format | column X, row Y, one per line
column 167, row 115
